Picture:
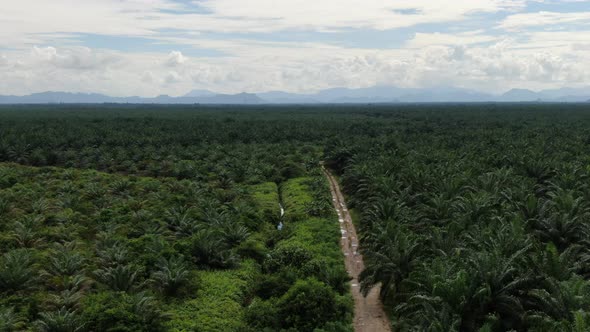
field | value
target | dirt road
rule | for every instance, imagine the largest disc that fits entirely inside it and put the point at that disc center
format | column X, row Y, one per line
column 368, row 311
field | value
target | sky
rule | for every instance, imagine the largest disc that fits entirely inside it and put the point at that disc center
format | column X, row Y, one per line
column 154, row 47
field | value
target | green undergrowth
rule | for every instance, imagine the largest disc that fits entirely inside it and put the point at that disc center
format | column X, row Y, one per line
column 321, row 236
column 218, row 305
column 266, row 198
column 296, row 196
column 305, row 285
column 86, row 250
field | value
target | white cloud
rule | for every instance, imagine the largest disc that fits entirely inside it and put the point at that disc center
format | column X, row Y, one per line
column 175, row 58
column 306, row 69
column 148, row 77
column 581, row 47
column 543, row 19
column 336, row 14
column 427, row 39
column 173, row 77
column 81, row 58
column 26, row 22
column 562, row 40
column 453, row 56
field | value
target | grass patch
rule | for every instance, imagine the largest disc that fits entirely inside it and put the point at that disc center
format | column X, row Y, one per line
column 309, row 256
column 296, row 197
column 321, row 237
column 218, row 305
column 266, row 198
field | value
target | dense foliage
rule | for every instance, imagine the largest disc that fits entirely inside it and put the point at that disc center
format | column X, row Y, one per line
column 477, row 221
column 180, row 236
column 472, row 217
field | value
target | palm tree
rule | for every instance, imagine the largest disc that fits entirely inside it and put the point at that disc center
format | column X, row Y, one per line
column 63, row 320
column 67, row 231
column 559, row 265
column 530, row 207
column 433, row 297
column 25, row 233
column 64, row 260
column 539, row 169
column 431, row 315
column 10, row 321
column 150, row 227
column 94, row 191
column 476, row 206
column 384, row 210
column 19, row 153
column 17, row 270
column 242, row 209
column 462, row 293
column 68, row 298
column 209, row 249
column 148, row 310
column 391, row 256
column 497, row 286
column 233, row 233
column 5, row 206
column 171, row 275
column 438, row 210
column 559, row 301
column 563, row 230
column 41, row 206
column 225, row 181
column 76, row 282
column 110, row 252
column 4, row 147
column 119, row 278
column 444, row 242
column 492, row 182
column 181, row 221
column 450, row 187
column 121, row 187
column 338, row 154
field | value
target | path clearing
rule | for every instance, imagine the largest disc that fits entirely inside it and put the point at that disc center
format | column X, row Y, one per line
column 368, row 311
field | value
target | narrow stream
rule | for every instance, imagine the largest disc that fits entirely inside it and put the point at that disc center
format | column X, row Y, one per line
column 280, row 225
column 281, row 207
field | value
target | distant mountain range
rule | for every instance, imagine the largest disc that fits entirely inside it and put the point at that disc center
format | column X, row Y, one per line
column 195, row 97
column 388, row 94
column 377, row 94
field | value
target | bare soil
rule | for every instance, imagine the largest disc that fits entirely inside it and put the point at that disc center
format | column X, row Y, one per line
column 368, row 311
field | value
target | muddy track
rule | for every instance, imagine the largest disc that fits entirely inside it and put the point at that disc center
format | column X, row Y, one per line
column 368, row 311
